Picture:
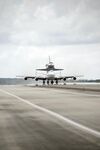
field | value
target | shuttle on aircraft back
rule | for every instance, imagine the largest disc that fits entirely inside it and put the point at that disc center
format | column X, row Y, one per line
column 50, row 77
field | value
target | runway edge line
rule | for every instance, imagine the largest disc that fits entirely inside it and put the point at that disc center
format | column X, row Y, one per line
column 58, row 116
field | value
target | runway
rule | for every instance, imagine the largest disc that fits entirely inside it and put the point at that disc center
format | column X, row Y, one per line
column 38, row 118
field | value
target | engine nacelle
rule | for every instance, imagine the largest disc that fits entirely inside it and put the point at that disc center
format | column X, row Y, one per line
column 64, row 79
column 74, row 78
column 36, row 79
column 25, row 78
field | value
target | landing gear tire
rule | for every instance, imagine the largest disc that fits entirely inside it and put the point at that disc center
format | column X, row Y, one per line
column 48, row 82
column 52, row 82
column 43, row 82
column 56, row 81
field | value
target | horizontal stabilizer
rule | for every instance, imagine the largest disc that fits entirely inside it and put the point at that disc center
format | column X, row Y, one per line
column 47, row 69
column 57, row 69
column 42, row 69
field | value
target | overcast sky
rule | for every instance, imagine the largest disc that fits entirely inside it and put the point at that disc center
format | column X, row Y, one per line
column 66, row 30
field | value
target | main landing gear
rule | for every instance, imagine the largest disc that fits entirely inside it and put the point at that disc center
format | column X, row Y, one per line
column 56, row 81
column 43, row 82
column 50, row 82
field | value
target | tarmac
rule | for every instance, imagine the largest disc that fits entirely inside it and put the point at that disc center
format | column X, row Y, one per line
column 57, row 118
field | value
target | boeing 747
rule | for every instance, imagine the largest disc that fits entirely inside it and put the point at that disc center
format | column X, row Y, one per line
column 50, row 77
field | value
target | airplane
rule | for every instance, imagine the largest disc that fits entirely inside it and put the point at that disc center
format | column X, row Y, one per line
column 50, row 77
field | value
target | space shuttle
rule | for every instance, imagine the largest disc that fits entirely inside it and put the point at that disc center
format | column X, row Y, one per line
column 50, row 67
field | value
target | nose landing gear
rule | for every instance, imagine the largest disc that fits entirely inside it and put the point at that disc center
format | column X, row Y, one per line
column 48, row 82
column 52, row 82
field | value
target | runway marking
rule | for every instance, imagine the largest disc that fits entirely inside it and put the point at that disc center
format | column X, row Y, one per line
column 58, row 116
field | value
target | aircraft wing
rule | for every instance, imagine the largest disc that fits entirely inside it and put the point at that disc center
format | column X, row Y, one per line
column 42, row 69
column 71, row 77
column 65, row 77
column 34, row 77
column 40, row 78
column 29, row 77
column 45, row 78
column 57, row 69
column 55, row 78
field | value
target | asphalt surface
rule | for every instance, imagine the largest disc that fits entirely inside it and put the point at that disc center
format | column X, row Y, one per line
column 79, row 86
column 33, row 118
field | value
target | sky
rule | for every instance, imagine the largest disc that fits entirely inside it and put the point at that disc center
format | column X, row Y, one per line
column 66, row 30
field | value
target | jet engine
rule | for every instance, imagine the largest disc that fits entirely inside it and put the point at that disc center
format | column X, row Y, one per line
column 74, row 78
column 25, row 78
column 64, row 79
column 36, row 79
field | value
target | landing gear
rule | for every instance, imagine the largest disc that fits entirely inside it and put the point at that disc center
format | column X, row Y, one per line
column 48, row 82
column 56, row 81
column 52, row 82
column 64, row 81
column 43, row 82
column 36, row 84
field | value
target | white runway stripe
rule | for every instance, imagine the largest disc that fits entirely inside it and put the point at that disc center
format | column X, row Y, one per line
column 56, row 115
